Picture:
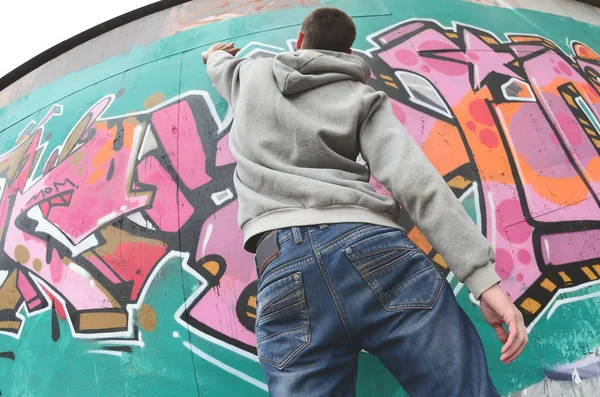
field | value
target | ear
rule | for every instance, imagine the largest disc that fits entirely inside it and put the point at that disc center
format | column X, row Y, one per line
column 300, row 41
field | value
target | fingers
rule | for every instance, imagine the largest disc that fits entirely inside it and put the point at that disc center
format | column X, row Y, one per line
column 497, row 309
column 523, row 340
column 512, row 334
column 518, row 352
column 519, row 347
column 227, row 47
column 517, row 339
column 222, row 46
column 501, row 333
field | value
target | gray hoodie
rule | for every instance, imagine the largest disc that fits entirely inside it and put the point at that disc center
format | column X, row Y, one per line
column 300, row 121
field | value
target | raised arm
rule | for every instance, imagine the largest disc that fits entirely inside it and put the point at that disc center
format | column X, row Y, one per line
column 224, row 69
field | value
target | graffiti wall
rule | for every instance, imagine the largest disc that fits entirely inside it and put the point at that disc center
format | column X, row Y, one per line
column 122, row 269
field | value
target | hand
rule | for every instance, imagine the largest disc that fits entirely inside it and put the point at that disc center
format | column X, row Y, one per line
column 498, row 309
column 227, row 47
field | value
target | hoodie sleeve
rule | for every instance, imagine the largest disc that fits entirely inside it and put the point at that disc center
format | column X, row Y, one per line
column 224, row 71
column 396, row 161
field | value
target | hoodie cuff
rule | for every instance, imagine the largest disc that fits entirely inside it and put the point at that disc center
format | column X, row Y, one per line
column 212, row 55
column 482, row 279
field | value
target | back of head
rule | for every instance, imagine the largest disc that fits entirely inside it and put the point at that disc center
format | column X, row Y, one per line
column 328, row 29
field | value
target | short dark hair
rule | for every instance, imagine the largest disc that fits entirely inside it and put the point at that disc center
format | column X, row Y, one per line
column 328, row 28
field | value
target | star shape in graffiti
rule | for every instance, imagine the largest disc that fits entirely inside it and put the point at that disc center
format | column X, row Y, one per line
column 481, row 58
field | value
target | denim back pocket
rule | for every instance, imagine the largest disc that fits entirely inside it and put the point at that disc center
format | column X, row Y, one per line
column 398, row 272
column 282, row 324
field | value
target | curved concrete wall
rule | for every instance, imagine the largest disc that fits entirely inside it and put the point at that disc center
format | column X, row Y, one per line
column 122, row 271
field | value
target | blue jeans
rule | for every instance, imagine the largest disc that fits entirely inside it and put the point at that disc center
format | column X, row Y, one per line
column 331, row 291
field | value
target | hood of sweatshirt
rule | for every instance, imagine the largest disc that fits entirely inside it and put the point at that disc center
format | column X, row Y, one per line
column 303, row 70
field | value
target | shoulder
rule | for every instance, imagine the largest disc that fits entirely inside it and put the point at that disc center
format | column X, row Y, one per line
column 367, row 94
column 250, row 64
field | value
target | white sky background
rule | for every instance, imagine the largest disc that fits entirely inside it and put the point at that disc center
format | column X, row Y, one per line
column 29, row 27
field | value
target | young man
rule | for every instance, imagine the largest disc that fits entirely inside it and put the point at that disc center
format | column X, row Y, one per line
column 337, row 274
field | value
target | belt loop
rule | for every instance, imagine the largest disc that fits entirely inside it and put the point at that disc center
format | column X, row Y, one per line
column 297, row 235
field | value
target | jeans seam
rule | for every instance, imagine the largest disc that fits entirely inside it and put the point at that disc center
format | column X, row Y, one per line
column 406, row 280
column 415, row 306
column 325, row 275
column 300, row 348
column 280, row 297
column 289, row 359
column 379, row 251
column 297, row 287
column 285, row 240
column 288, row 238
column 282, row 268
column 394, row 263
column 297, row 233
column 330, row 246
column 386, row 264
column 266, row 317
column 285, row 331
column 380, row 297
